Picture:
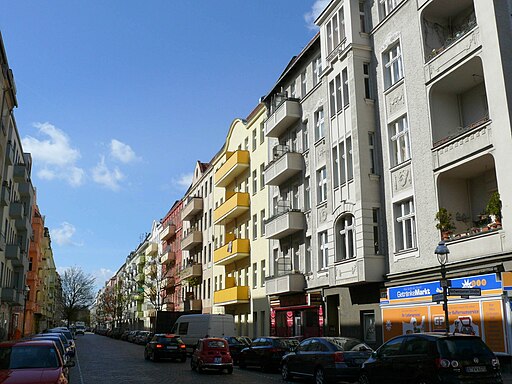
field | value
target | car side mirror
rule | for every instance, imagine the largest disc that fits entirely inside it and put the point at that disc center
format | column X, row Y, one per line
column 374, row 354
column 69, row 363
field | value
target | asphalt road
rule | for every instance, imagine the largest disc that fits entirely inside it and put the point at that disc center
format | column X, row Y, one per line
column 100, row 359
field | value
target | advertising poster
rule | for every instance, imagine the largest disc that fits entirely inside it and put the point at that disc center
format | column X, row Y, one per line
column 493, row 318
column 462, row 317
column 401, row 321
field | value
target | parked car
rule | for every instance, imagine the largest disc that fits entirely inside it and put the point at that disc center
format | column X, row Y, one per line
column 58, row 343
column 33, row 361
column 211, row 353
column 70, row 349
column 69, row 336
column 80, row 330
column 131, row 336
column 143, row 337
column 326, row 359
column 165, row 346
column 124, row 335
column 432, row 358
column 236, row 344
column 266, row 352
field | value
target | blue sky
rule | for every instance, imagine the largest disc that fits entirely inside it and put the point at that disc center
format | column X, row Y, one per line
column 118, row 99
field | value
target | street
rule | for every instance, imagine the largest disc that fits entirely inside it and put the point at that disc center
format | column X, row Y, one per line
column 100, row 359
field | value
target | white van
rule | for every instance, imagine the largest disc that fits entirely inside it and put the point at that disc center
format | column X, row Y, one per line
column 191, row 328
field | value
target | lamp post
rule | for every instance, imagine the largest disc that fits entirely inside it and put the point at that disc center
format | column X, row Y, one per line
column 442, row 256
column 26, row 292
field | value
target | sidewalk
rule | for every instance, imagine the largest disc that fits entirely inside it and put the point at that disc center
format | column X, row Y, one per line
column 507, row 378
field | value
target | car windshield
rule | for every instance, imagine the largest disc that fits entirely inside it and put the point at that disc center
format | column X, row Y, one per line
column 28, row 357
column 216, row 344
column 286, row 343
column 169, row 340
column 349, row 344
column 463, row 347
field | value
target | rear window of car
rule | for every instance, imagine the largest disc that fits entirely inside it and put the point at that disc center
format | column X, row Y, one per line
column 28, row 357
column 169, row 340
column 216, row 344
column 462, row 347
column 286, row 343
column 349, row 344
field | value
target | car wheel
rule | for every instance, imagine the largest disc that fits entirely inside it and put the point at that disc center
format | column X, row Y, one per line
column 241, row 364
column 200, row 368
column 363, row 379
column 230, row 370
column 146, row 357
column 192, row 365
column 285, row 373
column 153, row 357
column 263, row 365
column 319, row 376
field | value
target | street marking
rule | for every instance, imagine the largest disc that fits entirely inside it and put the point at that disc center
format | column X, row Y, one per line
column 79, row 369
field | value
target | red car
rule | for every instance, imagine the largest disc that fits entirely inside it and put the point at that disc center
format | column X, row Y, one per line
column 33, row 361
column 212, row 353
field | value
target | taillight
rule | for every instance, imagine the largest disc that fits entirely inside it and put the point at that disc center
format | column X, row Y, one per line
column 445, row 363
column 339, row 357
column 183, row 346
column 275, row 350
column 159, row 346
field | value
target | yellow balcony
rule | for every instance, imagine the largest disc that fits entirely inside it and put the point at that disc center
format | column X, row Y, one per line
column 236, row 163
column 235, row 205
column 168, row 232
column 193, row 207
column 233, row 250
column 152, row 249
column 142, row 260
column 231, row 296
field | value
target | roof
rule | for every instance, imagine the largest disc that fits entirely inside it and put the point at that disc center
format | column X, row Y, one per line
column 18, row 343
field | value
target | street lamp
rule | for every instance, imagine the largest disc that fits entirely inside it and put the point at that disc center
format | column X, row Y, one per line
column 26, row 292
column 442, row 256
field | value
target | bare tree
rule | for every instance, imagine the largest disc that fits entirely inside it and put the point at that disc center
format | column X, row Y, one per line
column 77, row 292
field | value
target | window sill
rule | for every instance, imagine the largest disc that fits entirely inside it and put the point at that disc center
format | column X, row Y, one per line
column 393, row 86
column 369, row 101
column 374, row 177
column 406, row 253
column 403, row 164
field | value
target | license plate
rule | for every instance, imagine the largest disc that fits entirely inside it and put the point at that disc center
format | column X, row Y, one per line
column 476, row 369
column 218, row 360
column 172, row 347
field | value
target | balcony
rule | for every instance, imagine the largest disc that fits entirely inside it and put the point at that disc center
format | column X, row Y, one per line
column 293, row 282
column 285, row 221
column 288, row 111
column 234, row 250
column 168, row 232
column 191, row 239
column 192, row 208
column 10, row 295
column 194, row 270
column 142, row 260
column 9, row 154
column 12, row 252
column 168, row 257
column 152, row 249
column 16, row 210
column 20, row 173
column 140, row 278
column 367, row 269
column 5, row 196
column 26, row 190
column 284, row 165
column 231, row 296
column 23, row 224
column 236, row 163
column 235, row 205
column 169, row 282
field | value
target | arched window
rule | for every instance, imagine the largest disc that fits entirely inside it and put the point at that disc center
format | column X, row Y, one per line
column 345, row 238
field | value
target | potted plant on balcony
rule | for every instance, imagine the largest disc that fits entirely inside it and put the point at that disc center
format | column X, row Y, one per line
column 493, row 209
column 445, row 223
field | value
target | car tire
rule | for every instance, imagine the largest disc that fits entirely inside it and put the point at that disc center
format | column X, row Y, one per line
column 154, row 358
column 200, row 368
column 363, row 379
column 192, row 365
column 146, row 357
column 263, row 366
column 241, row 364
column 320, row 376
column 230, row 370
column 285, row 373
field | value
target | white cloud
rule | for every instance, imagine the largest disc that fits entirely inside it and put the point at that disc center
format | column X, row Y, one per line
column 184, row 180
column 54, row 154
column 122, row 152
column 64, row 234
column 316, row 9
column 109, row 178
column 102, row 275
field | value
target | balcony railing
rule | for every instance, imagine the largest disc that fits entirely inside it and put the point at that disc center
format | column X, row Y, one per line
column 231, row 296
column 168, row 232
column 234, row 250
column 151, row 249
column 461, row 31
column 16, row 210
column 287, row 112
column 193, row 207
column 194, row 270
column 192, row 238
column 20, row 173
column 285, row 221
column 284, row 165
column 236, row 163
column 168, row 257
column 5, row 195
column 235, row 205
column 291, row 282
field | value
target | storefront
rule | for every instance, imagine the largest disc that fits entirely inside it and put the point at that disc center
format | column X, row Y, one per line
column 410, row 309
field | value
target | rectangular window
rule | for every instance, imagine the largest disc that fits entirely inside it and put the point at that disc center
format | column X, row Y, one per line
column 254, row 227
column 254, row 140
column 335, row 31
column 329, row 37
column 341, row 16
column 262, row 133
column 386, row 6
column 317, row 70
column 255, row 275
column 335, row 168
column 293, row 90
column 210, row 218
column 393, row 69
column 304, row 83
column 405, row 225
column 346, row 97
column 362, row 18
column 246, row 144
column 262, row 220
column 262, row 176
column 375, row 222
column 323, row 252
column 305, row 137
column 307, row 255
column 206, row 188
column 262, row 273
column 254, row 182
column 350, row 166
column 209, row 288
column 399, row 136
column 211, row 183
column 332, row 97
column 343, row 164
column 216, row 283
column 367, row 84
column 307, row 194
column 319, row 124
column 321, row 176
column 338, row 93
column 373, row 154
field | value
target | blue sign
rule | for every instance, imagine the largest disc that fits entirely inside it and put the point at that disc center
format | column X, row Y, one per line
column 426, row 290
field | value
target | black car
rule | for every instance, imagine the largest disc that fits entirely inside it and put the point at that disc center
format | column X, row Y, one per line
column 266, row 352
column 436, row 358
column 326, row 359
column 165, row 346
column 236, row 344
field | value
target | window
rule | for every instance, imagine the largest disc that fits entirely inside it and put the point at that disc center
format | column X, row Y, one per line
column 335, row 168
column 341, row 16
column 305, row 138
column 254, row 227
column 209, row 252
column 254, row 182
column 321, row 176
column 293, row 90
column 307, row 255
column 262, row 176
column 323, row 250
column 405, row 225
column 329, row 37
column 254, row 139
column 335, row 30
column 376, row 219
column 344, row 75
column 367, row 84
column 255, row 275
column 307, row 194
column 343, row 165
column 319, row 124
column 210, row 218
column 392, row 65
column 399, row 136
column 350, row 166
column 262, row 133
column 386, row 6
column 362, row 18
column 338, row 92
column 373, row 155
column 215, row 286
column 262, row 222
column 211, row 183
column 304, row 83
column 246, row 144
column 209, row 288
column 345, row 238
column 317, row 70
column 332, row 97
column 262, row 274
